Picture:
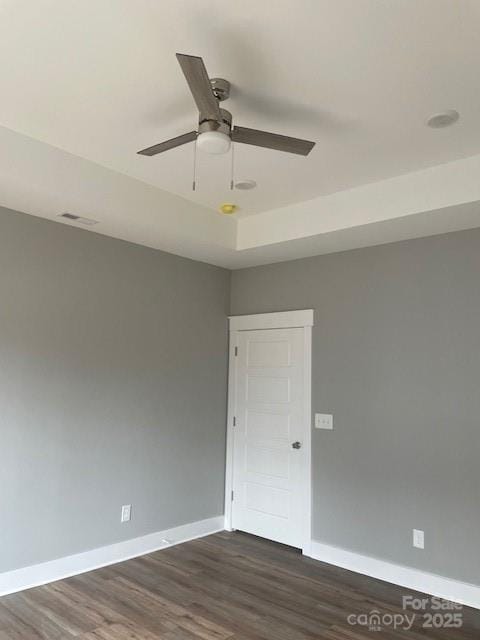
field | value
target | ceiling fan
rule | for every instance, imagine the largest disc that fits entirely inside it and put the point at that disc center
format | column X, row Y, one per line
column 215, row 132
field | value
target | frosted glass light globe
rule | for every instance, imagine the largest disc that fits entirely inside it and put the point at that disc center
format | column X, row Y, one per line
column 213, row 142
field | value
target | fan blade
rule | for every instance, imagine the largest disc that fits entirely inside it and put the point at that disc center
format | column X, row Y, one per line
column 199, row 83
column 168, row 144
column 272, row 141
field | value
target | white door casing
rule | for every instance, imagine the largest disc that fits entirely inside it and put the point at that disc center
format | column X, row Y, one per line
column 268, row 481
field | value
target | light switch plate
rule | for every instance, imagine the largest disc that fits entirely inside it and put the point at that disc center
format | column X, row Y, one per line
column 126, row 513
column 323, row 421
column 418, row 539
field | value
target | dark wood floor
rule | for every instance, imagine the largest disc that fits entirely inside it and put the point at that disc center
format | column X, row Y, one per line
column 228, row 585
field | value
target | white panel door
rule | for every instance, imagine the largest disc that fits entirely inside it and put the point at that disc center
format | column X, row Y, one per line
column 268, row 452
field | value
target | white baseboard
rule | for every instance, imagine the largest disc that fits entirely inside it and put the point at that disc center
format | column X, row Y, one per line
column 415, row 579
column 38, row 574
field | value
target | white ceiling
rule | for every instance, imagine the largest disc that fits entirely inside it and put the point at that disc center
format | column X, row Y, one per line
column 98, row 79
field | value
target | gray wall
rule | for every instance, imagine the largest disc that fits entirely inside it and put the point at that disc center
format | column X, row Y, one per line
column 112, row 389
column 396, row 359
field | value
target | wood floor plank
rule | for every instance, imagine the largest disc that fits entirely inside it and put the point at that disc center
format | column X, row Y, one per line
column 38, row 622
column 120, row 631
column 228, row 586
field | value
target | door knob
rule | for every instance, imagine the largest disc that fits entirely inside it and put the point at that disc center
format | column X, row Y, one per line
column 296, row 445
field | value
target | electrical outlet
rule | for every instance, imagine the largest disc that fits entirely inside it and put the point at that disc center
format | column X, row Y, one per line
column 323, row 421
column 418, row 539
column 126, row 513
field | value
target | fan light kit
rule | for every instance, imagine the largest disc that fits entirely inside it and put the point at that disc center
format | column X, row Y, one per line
column 215, row 131
column 213, row 142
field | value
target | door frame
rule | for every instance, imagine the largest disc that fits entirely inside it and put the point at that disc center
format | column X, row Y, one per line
column 303, row 319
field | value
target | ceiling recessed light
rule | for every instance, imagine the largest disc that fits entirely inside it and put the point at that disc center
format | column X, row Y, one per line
column 245, row 185
column 443, row 119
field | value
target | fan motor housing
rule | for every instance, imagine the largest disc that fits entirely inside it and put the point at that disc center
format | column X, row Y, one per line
column 224, row 126
column 220, row 88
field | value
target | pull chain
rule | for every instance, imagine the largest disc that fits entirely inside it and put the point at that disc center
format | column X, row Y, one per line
column 232, row 167
column 194, row 183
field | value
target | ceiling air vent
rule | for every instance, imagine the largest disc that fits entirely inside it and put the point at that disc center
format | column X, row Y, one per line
column 74, row 218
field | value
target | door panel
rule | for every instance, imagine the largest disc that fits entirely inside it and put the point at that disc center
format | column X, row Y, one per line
column 267, row 461
column 268, row 479
column 262, row 389
column 269, row 426
column 268, row 354
column 267, row 500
